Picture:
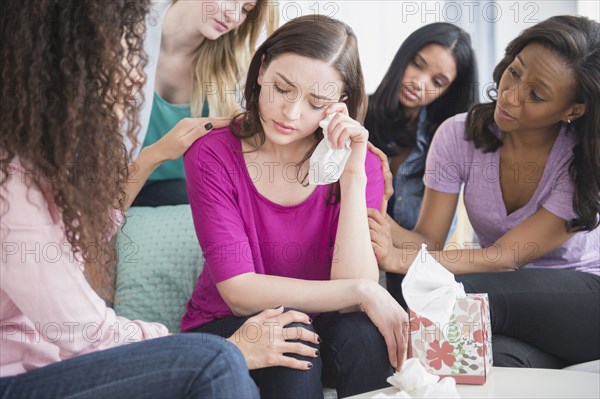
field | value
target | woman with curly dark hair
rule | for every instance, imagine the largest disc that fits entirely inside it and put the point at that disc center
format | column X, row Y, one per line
column 64, row 67
column 529, row 162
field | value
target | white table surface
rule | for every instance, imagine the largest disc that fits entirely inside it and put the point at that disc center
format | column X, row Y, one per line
column 508, row 382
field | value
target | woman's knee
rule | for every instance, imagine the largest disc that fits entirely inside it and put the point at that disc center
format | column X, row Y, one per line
column 212, row 354
column 294, row 332
column 354, row 330
column 220, row 367
column 289, row 382
column 232, row 355
column 195, row 347
column 510, row 352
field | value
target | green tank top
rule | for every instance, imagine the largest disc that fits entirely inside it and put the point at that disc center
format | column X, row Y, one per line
column 163, row 117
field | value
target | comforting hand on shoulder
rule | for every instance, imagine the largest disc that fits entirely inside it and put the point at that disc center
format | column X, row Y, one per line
column 175, row 143
column 388, row 177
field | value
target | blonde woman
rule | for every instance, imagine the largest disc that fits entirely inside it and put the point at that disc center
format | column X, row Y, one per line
column 197, row 54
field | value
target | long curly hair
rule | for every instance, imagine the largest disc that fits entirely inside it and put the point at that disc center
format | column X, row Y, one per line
column 576, row 40
column 65, row 68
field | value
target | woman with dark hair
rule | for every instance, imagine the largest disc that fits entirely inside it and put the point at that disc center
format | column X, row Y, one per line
column 63, row 169
column 270, row 238
column 529, row 162
column 433, row 76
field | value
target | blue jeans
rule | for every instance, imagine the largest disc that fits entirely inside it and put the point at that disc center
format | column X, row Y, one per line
column 179, row 366
column 353, row 358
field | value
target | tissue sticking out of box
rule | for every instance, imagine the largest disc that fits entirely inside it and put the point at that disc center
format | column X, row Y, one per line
column 429, row 289
column 326, row 163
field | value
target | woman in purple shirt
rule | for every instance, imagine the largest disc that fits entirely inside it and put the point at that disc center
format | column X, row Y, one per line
column 271, row 239
column 529, row 162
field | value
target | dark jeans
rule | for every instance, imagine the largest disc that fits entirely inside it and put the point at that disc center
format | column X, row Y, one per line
column 541, row 318
column 353, row 358
column 180, row 366
column 162, row 192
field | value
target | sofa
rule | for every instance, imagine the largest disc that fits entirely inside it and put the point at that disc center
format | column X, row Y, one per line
column 158, row 262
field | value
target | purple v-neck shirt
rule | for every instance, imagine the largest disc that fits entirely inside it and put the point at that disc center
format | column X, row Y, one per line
column 241, row 231
column 453, row 161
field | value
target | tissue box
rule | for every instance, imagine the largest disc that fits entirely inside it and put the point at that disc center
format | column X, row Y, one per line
column 462, row 349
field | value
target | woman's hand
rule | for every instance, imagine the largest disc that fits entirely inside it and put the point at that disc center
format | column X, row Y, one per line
column 388, row 177
column 341, row 128
column 262, row 339
column 179, row 139
column 171, row 146
column 389, row 318
column 381, row 239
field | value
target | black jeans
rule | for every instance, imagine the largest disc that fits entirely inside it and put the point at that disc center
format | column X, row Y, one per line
column 353, row 358
column 542, row 318
column 162, row 192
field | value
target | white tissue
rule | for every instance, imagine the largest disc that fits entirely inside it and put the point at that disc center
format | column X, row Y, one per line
column 445, row 388
column 430, row 290
column 412, row 375
column 326, row 163
column 413, row 381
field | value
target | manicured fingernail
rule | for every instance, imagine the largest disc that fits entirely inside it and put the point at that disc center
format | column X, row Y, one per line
column 208, row 126
column 309, row 320
column 309, row 365
column 319, row 340
column 317, row 353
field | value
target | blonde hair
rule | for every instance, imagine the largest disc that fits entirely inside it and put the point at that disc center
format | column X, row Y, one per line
column 219, row 65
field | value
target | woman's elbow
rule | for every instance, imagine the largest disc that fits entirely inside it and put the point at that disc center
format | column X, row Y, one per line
column 503, row 259
column 239, row 311
column 508, row 264
column 238, row 307
column 236, row 298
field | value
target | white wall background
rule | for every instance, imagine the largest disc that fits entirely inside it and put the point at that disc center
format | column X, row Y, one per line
column 382, row 25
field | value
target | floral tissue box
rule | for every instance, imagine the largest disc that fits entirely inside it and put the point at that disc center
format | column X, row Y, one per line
column 462, row 349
